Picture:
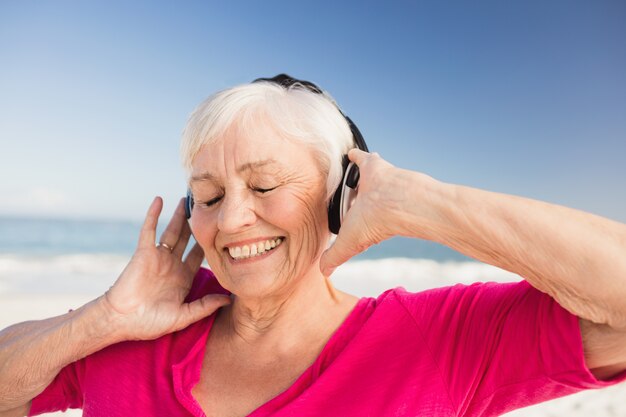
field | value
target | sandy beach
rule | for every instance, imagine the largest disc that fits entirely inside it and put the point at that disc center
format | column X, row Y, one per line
column 361, row 278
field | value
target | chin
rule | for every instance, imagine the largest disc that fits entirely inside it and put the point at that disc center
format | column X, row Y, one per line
column 256, row 285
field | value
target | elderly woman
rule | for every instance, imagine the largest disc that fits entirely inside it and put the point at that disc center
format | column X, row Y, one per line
column 265, row 333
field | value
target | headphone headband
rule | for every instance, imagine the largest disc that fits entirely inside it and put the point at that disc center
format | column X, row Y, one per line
column 288, row 81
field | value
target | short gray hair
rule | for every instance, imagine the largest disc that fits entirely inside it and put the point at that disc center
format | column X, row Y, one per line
column 299, row 114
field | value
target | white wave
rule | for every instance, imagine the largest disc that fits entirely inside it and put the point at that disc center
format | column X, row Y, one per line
column 61, row 274
column 94, row 273
column 372, row 277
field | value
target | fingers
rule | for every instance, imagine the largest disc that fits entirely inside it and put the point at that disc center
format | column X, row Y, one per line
column 203, row 307
column 148, row 229
column 345, row 247
column 171, row 234
column 358, row 156
column 332, row 258
column 360, row 228
column 185, row 234
column 194, row 258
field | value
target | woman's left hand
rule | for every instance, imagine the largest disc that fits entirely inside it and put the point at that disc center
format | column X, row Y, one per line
column 575, row 257
column 379, row 210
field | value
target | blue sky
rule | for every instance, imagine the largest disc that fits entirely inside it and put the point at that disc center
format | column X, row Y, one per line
column 526, row 98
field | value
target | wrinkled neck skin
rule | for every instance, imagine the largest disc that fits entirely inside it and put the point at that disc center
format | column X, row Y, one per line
column 285, row 321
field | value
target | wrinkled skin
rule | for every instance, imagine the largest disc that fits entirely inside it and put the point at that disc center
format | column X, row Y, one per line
column 294, row 209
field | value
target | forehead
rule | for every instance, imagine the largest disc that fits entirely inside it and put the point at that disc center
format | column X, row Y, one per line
column 260, row 147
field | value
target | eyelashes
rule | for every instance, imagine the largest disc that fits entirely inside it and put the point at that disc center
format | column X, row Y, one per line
column 256, row 189
column 263, row 190
column 212, row 202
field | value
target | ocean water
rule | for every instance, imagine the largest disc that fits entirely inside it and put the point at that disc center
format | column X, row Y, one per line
column 51, row 237
column 65, row 256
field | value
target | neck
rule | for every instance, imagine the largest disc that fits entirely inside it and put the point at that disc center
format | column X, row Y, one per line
column 287, row 319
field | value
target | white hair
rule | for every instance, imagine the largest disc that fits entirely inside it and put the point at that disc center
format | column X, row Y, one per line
column 298, row 114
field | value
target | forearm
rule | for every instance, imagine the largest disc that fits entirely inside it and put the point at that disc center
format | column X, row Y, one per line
column 32, row 353
column 576, row 257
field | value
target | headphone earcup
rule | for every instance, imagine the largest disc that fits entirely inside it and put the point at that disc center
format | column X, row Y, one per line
column 334, row 208
column 188, row 204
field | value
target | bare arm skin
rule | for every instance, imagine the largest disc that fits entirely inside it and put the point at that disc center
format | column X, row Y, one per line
column 577, row 258
column 32, row 353
column 17, row 412
column 146, row 301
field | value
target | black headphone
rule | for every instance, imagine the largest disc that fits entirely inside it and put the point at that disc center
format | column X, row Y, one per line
column 346, row 192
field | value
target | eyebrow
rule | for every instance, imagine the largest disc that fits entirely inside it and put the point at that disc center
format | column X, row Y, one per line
column 207, row 176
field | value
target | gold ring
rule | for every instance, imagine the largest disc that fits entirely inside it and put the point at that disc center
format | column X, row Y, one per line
column 166, row 246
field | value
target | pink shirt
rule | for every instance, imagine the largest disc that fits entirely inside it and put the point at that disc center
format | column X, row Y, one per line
column 475, row 350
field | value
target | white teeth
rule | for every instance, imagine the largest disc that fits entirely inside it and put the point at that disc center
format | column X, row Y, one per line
column 254, row 249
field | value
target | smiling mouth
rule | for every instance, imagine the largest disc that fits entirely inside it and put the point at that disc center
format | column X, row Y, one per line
column 254, row 249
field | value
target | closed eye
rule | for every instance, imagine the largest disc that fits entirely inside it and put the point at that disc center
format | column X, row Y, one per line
column 263, row 190
column 217, row 199
column 211, row 202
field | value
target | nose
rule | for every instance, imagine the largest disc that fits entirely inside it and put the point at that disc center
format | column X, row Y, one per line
column 236, row 212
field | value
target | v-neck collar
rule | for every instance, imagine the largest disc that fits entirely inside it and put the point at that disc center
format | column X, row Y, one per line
column 186, row 373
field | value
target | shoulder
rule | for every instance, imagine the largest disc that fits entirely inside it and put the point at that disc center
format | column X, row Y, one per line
column 461, row 294
column 485, row 304
column 204, row 283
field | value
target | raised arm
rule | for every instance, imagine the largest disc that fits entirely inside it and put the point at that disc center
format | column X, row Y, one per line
column 577, row 258
column 146, row 301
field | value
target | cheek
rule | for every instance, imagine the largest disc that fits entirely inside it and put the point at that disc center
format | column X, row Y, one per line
column 304, row 217
column 287, row 215
column 204, row 232
column 295, row 212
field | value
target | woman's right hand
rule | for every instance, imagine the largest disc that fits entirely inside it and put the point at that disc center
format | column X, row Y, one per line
column 147, row 300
